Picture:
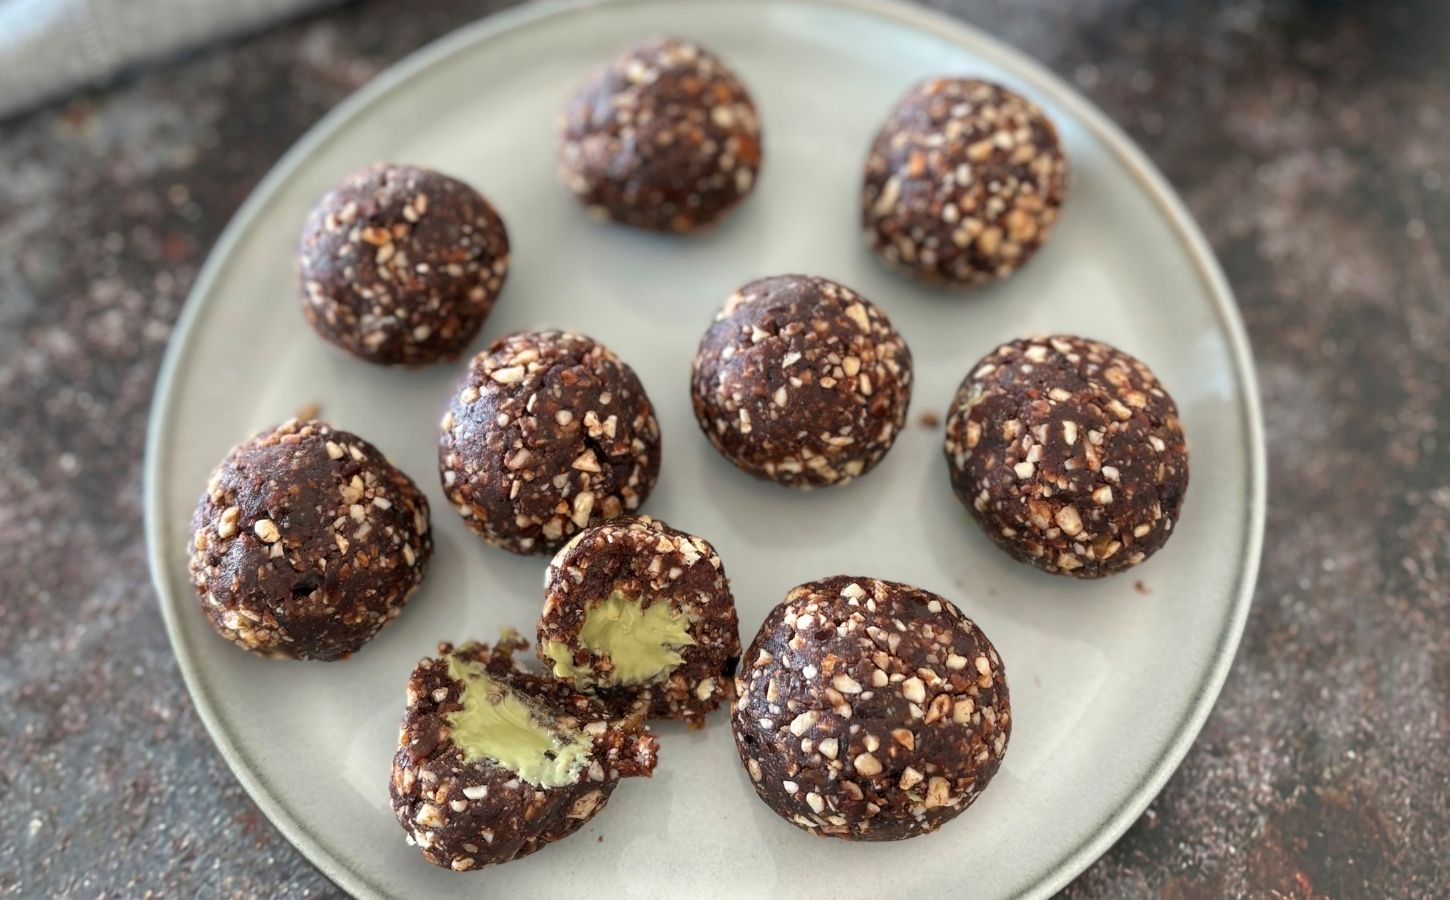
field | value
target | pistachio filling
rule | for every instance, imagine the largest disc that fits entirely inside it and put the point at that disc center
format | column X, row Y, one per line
column 499, row 724
column 642, row 643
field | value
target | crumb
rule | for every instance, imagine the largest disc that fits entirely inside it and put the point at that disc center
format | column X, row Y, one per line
column 308, row 411
column 79, row 115
column 599, row 839
column 929, row 419
column 1141, row 588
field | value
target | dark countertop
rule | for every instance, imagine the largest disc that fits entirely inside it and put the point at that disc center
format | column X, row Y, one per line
column 1309, row 138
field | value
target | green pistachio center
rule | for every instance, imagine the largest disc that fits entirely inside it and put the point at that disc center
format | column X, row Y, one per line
column 500, row 724
column 643, row 643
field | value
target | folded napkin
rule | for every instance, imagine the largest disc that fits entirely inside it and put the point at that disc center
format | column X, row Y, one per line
column 51, row 47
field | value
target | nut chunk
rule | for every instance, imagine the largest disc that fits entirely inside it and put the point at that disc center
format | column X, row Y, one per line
column 869, row 710
column 493, row 762
column 1069, row 454
column 306, row 541
column 547, row 433
column 638, row 611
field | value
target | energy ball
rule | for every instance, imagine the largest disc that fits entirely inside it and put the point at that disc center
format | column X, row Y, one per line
column 494, row 762
column 547, row 433
column 1069, row 454
column 400, row 265
column 637, row 610
column 869, row 710
column 306, row 542
column 663, row 138
column 801, row 381
column 963, row 183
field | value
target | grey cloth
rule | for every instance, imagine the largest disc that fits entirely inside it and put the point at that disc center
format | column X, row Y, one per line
column 51, row 47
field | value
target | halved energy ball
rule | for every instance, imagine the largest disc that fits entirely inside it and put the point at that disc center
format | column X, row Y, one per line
column 870, row 710
column 400, row 265
column 638, row 611
column 1069, row 454
column 547, row 433
column 963, row 183
column 801, row 381
column 306, row 542
column 493, row 762
column 665, row 138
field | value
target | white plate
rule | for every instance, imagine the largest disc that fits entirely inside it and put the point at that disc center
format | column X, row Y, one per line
column 1109, row 685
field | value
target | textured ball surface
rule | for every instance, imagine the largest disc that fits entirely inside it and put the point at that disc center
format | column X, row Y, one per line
column 801, row 381
column 963, row 183
column 400, row 265
column 547, row 433
column 1069, row 454
column 870, row 710
column 663, row 138
column 306, row 542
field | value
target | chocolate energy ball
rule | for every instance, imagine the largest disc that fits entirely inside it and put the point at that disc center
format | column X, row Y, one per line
column 963, row 183
column 869, row 710
column 493, row 762
column 306, row 542
column 637, row 610
column 801, row 381
column 400, row 265
column 1069, row 454
column 664, row 138
column 547, row 433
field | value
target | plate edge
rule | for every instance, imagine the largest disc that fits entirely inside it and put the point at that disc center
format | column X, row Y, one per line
column 940, row 24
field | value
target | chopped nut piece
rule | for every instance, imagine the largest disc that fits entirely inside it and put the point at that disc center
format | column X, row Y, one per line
column 845, row 684
column 227, row 523
column 266, row 529
column 803, row 722
column 1068, row 519
column 913, row 690
column 938, row 790
column 867, row 765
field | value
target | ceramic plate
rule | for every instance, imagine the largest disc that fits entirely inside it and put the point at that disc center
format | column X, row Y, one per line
column 1110, row 680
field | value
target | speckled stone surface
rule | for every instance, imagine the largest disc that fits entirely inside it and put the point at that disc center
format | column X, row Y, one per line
column 1308, row 137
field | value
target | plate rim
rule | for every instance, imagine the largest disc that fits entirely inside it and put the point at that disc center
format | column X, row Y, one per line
column 498, row 25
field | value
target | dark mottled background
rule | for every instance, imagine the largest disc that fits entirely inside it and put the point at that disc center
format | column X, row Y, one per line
column 1312, row 141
